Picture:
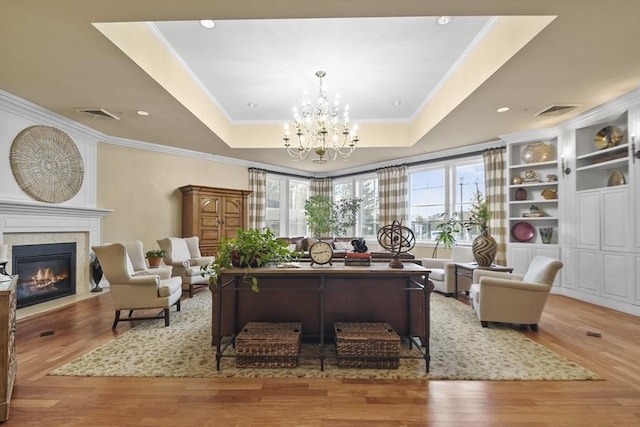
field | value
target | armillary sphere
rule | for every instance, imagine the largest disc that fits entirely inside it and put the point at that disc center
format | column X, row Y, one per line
column 396, row 239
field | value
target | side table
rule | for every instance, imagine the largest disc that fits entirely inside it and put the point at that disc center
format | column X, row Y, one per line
column 465, row 269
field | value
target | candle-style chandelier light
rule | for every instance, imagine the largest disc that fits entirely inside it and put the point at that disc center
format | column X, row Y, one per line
column 321, row 129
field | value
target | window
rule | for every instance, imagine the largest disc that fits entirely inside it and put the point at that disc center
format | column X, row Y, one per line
column 428, row 200
column 364, row 187
column 288, row 193
column 436, row 191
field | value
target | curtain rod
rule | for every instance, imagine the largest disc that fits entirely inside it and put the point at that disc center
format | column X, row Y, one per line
column 418, row 163
column 424, row 162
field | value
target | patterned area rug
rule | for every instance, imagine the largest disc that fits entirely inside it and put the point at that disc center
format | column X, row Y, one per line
column 460, row 350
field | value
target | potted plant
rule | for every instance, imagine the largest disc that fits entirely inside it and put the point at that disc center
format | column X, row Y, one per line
column 484, row 246
column 326, row 218
column 249, row 249
column 447, row 232
column 155, row 256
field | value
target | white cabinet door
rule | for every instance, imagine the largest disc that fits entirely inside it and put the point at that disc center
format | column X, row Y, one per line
column 519, row 258
column 637, row 282
column 569, row 270
column 589, row 220
column 589, row 271
column 615, row 235
column 617, row 276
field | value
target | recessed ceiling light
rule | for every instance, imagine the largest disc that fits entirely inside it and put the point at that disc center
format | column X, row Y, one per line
column 207, row 23
column 252, row 105
column 444, row 20
column 396, row 103
column 142, row 113
column 502, row 109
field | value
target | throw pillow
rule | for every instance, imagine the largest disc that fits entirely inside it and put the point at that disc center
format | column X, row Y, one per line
column 343, row 246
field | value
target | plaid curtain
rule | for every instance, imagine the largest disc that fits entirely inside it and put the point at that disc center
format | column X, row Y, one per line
column 393, row 183
column 495, row 195
column 257, row 199
column 321, row 186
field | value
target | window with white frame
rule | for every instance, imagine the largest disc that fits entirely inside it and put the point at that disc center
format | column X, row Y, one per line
column 435, row 190
column 441, row 190
column 285, row 205
column 364, row 187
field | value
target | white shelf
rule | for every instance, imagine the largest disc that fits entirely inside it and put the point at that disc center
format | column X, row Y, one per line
column 622, row 160
column 534, row 165
column 621, row 148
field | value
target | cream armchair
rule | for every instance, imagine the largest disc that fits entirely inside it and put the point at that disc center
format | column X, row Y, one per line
column 136, row 292
column 514, row 298
column 135, row 252
column 183, row 254
column 443, row 273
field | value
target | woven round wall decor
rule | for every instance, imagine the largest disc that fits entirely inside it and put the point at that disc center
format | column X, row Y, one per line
column 46, row 164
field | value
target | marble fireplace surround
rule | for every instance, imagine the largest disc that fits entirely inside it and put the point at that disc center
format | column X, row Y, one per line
column 29, row 223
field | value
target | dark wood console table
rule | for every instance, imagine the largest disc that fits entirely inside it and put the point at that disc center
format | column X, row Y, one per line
column 318, row 296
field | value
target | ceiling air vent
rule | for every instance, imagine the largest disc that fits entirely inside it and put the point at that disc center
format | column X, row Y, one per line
column 556, row 110
column 98, row 113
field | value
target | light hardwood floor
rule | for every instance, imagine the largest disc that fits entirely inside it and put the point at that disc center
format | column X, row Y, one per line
column 41, row 400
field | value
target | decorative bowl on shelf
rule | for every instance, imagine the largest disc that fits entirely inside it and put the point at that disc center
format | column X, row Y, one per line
column 536, row 153
column 608, row 137
column 531, row 176
column 616, row 178
column 546, row 234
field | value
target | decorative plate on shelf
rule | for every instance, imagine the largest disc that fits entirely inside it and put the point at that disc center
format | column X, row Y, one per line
column 46, row 164
column 537, row 152
column 608, row 136
column 523, row 231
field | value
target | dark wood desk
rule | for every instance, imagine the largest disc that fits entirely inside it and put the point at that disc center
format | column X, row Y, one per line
column 465, row 269
column 319, row 296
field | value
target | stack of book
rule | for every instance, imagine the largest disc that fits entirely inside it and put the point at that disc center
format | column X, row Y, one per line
column 357, row 258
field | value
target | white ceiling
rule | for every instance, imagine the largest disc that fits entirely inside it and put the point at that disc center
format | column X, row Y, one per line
column 370, row 62
column 53, row 55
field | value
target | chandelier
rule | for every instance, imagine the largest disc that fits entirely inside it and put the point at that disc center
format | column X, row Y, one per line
column 320, row 129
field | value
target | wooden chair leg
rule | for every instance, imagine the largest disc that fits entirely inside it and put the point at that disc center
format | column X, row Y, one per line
column 115, row 322
column 166, row 317
column 130, row 313
column 190, row 290
column 534, row 327
column 484, row 323
column 178, row 305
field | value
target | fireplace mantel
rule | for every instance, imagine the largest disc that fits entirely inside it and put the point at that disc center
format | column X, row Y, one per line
column 36, row 209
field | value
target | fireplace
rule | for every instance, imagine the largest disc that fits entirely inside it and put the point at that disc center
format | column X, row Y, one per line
column 46, row 272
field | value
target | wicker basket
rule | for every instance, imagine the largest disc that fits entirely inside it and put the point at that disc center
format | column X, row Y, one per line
column 367, row 345
column 268, row 345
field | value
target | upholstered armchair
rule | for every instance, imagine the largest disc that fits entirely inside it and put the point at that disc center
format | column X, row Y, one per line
column 514, row 298
column 135, row 251
column 183, row 254
column 443, row 272
column 136, row 292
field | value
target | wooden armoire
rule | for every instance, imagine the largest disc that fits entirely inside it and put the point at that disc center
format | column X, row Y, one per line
column 212, row 213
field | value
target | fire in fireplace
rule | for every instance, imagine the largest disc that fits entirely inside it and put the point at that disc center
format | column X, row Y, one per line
column 46, row 272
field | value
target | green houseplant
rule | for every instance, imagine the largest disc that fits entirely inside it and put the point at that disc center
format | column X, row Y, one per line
column 326, row 218
column 448, row 229
column 155, row 256
column 250, row 248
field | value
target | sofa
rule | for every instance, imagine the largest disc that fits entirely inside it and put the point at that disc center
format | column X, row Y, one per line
column 340, row 245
